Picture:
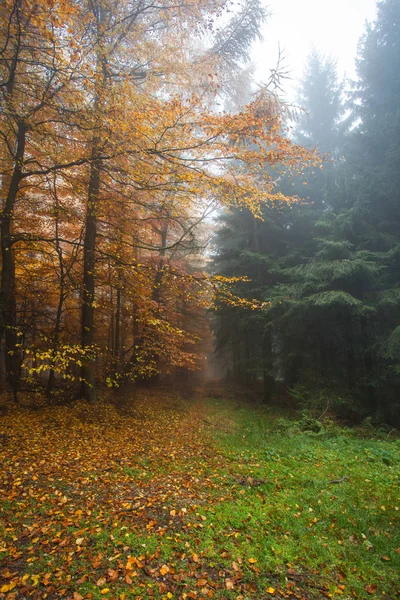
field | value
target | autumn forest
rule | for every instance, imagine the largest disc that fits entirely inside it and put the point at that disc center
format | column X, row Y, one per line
column 199, row 307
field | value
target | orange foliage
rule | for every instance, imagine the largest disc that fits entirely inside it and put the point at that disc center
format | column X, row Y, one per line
column 128, row 85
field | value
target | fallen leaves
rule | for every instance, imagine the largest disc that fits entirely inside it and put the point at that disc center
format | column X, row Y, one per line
column 164, row 570
column 99, row 508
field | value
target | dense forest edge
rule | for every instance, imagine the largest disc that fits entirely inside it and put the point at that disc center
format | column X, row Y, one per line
column 327, row 267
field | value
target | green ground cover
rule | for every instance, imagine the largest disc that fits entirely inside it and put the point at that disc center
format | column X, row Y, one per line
column 195, row 498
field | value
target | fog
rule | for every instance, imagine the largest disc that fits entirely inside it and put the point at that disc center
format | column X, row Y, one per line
column 333, row 28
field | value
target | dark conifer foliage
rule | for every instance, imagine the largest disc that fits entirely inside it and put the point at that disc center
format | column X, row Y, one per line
column 330, row 265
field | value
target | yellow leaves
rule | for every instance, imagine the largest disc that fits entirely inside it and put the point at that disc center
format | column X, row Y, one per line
column 229, row 584
column 164, row 570
column 104, row 591
column 79, row 541
column 271, row 590
column 252, row 561
column 8, row 587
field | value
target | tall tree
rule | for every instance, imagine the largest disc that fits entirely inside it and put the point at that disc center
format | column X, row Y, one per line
column 35, row 80
column 320, row 96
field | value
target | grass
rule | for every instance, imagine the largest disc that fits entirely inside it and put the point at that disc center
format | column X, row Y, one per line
column 325, row 506
column 195, row 499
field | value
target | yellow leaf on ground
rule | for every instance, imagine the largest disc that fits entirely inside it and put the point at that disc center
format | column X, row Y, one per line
column 229, row 584
column 164, row 570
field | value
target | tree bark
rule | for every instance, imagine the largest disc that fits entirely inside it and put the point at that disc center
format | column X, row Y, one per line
column 61, row 297
column 88, row 389
column 13, row 357
column 117, row 343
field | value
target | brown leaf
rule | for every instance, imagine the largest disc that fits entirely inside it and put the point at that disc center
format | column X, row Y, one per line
column 113, row 575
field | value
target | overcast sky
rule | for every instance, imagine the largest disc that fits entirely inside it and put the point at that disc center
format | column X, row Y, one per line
column 333, row 26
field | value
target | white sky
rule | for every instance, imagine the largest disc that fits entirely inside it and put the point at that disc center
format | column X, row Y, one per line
column 333, row 26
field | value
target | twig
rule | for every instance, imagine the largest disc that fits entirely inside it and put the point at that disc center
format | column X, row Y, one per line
column 340, row 480
column 325, row 411
column 215, row 426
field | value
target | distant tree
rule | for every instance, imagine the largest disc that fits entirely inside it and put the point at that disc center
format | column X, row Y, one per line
column 320, row 124
column 320, row 95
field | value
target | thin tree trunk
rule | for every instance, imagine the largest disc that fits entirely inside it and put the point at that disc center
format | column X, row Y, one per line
column 88, row 390
column 117, row 343
column 156, row 295
column 61, row 296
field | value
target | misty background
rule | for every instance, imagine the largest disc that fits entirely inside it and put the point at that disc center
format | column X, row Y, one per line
column 333, row 28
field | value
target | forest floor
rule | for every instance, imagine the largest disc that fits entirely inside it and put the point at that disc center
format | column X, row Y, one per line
column 174, row 497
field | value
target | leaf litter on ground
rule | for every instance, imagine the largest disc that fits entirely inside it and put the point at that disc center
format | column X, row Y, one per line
column 150, row 502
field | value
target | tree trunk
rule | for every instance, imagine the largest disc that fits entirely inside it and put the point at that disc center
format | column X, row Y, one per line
column 117, row 343
column 61, row 296
column 88, row 389
column 13, row 357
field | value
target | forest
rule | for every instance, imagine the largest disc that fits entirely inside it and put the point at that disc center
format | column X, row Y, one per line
column 114, row 151
column 199, row 307
column 327, row 265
